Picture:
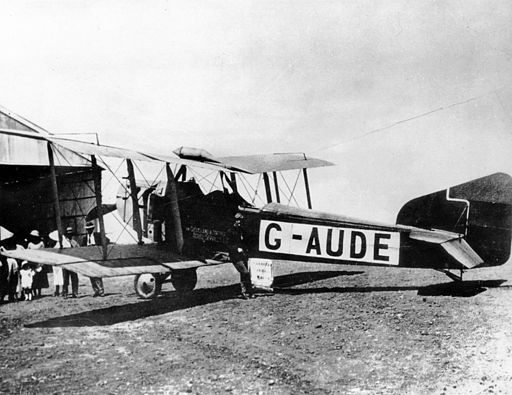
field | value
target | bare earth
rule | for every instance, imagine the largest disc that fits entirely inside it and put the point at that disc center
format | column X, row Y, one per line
column 333, row 329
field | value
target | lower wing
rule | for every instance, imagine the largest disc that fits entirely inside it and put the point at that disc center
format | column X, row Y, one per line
column 117, row 266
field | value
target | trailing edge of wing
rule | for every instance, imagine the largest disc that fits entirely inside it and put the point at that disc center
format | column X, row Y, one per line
column 184, row 265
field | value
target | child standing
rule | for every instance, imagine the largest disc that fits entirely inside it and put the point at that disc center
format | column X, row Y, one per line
column 27, row 275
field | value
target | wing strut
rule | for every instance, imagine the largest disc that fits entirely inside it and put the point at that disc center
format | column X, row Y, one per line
column 97, row 191
column 135, row 201
column 306, row 183
column 267, row 187
column 172, row 192
column 233, row 182
column 55, row 191
column 276, row 187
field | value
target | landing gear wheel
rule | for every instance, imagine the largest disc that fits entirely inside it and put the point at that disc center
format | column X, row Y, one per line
column 147, row 285
column 184, row 280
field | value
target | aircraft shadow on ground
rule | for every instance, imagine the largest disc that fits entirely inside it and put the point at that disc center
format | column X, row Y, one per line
column 459, row 288
column 455, row 289
column 171, row 301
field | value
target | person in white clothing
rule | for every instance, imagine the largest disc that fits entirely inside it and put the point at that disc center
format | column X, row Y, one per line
column 34, row 241
column 58, row 275
column 27, row 277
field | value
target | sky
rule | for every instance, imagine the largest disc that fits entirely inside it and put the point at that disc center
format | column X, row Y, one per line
column 406, row 97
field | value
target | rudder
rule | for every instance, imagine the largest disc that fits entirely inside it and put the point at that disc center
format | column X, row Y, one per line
column 480, row 209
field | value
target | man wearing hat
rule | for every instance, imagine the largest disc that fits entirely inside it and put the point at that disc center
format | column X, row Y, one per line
column 96, row 282
column 68, row 275
column 238, row 256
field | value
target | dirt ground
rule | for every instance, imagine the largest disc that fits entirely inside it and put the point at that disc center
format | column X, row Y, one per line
column 326, row 330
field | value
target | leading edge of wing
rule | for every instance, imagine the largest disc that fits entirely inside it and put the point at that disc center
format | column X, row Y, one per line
column 85, row 148
column 272, row 162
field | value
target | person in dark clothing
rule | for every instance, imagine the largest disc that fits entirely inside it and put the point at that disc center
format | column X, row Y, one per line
column 9, row 273
column 238, row 256
column 4, row 282
column 69, row 276
column 90, row 240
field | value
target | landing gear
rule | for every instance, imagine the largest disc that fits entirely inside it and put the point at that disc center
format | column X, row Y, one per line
column 184, row 280
column 147, row 285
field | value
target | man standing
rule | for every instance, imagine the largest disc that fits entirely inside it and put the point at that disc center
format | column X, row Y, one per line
column 96, row 282
column 58, row 274
column 68, row 274
column 238, row 256
column 9, row 273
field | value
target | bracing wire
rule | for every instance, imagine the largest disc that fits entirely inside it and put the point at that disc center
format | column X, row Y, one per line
column 289, row 190
column 424, row 114
column 244, row 184
column 115, row 176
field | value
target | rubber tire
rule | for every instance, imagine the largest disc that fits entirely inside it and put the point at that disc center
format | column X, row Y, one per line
column 184, row 280
column 147, row 285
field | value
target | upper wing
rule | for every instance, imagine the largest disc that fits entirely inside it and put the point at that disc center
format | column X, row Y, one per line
column 272, row 162
column 85, row 148
column 36, row 151
column 97, row 149
column 94, row 266
column 247, row 164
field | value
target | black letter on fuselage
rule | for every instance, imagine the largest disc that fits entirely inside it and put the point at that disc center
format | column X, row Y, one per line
column 339, row 251
column 379, row 246
column 362, row 252
column 314, row 242
column 277, row 242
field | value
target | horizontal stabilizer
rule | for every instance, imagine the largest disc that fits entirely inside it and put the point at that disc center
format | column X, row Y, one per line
column 462, row 253
column 435, row 236
column 453, row 243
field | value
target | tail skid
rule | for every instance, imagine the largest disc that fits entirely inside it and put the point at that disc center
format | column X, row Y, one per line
column 452, row 275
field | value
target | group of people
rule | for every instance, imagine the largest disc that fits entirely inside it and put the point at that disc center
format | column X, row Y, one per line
column 22, row 280
column 25, row 280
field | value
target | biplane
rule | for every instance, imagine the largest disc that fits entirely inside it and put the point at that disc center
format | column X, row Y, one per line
column 179, row 223
column 180, row 227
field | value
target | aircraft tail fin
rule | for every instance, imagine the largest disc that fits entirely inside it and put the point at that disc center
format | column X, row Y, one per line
column 480, row 209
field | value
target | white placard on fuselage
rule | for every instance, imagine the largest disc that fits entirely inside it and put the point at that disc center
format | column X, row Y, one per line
column 339, row 243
